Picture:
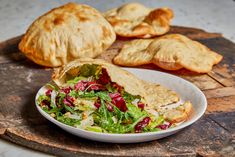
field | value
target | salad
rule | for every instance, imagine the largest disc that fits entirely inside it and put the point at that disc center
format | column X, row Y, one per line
column 91, row 101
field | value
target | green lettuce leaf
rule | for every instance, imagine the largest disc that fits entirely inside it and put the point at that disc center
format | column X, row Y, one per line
column 134, row 111
column 94, row 128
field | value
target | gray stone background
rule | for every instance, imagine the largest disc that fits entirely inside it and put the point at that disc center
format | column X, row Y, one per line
column 210, row 15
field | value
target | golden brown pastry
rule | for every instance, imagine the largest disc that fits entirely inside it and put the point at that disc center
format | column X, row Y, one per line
column 133, row 53
column 136, row 20
column 170, row 52
column 178, row 114
column 175, row 51
column 65, row 33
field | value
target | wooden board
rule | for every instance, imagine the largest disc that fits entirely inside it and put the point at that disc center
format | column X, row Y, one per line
column 212, row 135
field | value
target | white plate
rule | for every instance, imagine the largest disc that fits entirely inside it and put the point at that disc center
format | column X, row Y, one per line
column 185, row 89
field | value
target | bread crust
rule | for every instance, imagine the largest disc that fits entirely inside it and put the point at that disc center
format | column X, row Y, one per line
column 136, row 20
column 154, row 94
column 178, row 114
column 65, row 33
column 170, row 52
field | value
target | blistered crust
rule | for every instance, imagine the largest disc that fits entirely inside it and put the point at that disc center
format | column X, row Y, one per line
column 136, row 20
column 65, row 33
column 170, row 52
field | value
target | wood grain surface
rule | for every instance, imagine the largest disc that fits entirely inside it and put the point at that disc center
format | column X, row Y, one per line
column 212, row 135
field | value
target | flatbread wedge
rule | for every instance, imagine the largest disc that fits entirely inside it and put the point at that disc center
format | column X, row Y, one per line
column 154, row 94
column 136, row 20
column 65, row 33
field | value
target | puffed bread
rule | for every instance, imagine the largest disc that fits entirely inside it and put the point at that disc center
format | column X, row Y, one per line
column 65, row 33
column 136, row 20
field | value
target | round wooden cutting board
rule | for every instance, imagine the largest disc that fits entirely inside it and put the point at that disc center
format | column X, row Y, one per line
column 213, row 134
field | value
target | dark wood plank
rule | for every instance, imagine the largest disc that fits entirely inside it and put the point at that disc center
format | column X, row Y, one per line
column 194, row 33
column 203, row 138
column 49, row 138
column 9, row 51
column 203, row 81
column 196, row 139
column 221, row 104
column 223, row 46
column 109, row 54
column 20, row 82
column 213, row 135
column 224, row 72
column 226, row 120
column 219, row 92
